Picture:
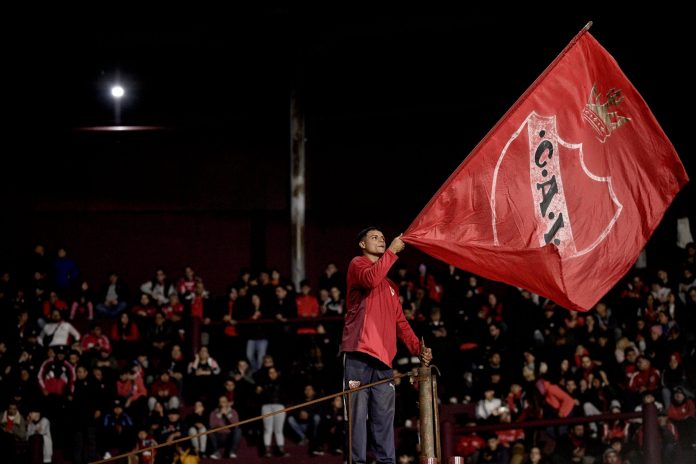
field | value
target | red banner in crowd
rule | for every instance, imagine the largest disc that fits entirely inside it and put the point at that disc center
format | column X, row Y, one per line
column 564, row 192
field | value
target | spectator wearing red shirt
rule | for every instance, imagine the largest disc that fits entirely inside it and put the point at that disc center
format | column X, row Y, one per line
column 54, row 302
column 682, row 412
column 556, row 397
column 186, row 284
column 165, row 391
column 125, row 336
column 95, row 341
column 645, row 379
column 307, row 307
column 467, row 445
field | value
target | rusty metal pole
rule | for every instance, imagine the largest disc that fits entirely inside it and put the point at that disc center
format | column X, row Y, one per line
column 436, row 420
column 297, row 190
column 427, row 418
column 651, row 434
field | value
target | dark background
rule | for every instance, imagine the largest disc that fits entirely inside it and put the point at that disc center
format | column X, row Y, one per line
column 394, row 101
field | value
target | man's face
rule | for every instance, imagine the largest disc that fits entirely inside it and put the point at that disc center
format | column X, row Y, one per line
column 373, row 243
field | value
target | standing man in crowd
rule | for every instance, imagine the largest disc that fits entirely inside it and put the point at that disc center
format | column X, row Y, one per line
column 374, row 319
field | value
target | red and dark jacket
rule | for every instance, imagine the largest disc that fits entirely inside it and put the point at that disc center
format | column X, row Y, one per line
column 374, row 317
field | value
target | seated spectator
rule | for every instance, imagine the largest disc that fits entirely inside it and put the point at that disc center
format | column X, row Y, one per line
column 82, row 307
column 617, row 429
column 58, row 332
column 177, row 366
column 172, row 429
column 131, row 390
column 535, row 456
column 575, row 446
column 55, row 303
column 165, row 391
column 125, row 337
column 645, row 380
column 512, row 439
column 13, row 429
column 332, row 431
column 159, row 289
column 202, row 374
column 113, row 299
column 39, row 425
column 493, row 452
column 143, row 312
column 304, row 422
column 186, row 284
column 335, row 306
column 159, row 336
column 145, row 440
column 488, row 406
column 94, row 342
column 610, row 456
column 174, row 310
column 224, row 442
column 197, row 423
column 682, row 413
column 56, row 375
column 117, row 434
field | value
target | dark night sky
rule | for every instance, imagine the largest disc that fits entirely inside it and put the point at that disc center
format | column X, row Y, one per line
column 379, row 87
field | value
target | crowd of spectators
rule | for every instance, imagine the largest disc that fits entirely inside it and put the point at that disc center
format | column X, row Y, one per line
column 98, row 372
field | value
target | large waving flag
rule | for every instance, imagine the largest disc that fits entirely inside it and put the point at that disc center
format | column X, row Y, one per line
column 563, row 193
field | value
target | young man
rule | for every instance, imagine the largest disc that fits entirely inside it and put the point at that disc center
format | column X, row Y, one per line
column 374, row 319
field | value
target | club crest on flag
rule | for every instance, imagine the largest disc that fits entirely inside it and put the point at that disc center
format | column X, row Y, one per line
column 597, row 113
column 537, row 140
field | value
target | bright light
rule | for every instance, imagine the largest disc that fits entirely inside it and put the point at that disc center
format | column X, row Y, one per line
column 117, row 91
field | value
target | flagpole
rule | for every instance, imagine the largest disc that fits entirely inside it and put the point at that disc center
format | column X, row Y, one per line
column 517, row 103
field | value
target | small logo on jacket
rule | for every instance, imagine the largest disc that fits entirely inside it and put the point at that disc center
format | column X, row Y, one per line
column 392, row 290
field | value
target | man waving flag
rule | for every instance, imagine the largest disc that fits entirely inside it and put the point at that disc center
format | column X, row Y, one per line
column 563, row 193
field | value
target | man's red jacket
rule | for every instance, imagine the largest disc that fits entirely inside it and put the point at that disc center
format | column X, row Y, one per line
column 374, row 317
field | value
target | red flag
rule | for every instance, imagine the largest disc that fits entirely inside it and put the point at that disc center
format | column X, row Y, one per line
column 563, row 193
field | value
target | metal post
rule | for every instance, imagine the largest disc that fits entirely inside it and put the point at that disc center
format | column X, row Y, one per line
column 427, row 428
column 436, row 420
column 297, row 190
column 651, row 434
column 349, row 414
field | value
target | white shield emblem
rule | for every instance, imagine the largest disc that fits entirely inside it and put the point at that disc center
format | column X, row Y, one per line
column 570, row 206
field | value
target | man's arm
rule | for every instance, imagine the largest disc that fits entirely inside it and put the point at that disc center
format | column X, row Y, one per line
column 370, row 275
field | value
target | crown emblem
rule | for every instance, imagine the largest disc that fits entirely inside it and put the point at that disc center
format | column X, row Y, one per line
column 598, row 113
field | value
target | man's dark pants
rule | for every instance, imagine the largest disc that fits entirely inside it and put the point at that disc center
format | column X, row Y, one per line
column 375, row 404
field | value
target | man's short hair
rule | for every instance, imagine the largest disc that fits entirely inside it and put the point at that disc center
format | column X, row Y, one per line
column 364, row 232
